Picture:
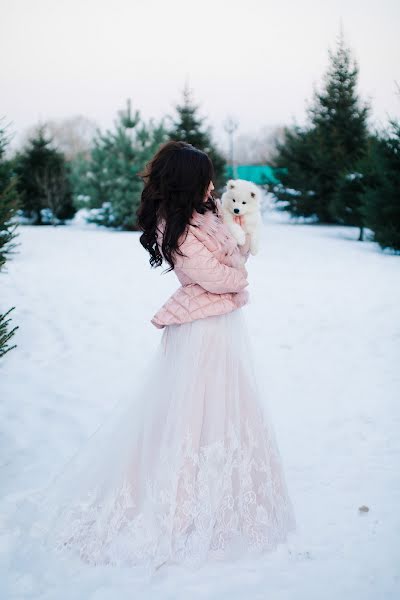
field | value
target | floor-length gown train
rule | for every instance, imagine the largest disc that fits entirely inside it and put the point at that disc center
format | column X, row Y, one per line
column 185, row 471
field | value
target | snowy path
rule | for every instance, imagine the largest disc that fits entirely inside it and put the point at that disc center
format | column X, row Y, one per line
column 325, row 319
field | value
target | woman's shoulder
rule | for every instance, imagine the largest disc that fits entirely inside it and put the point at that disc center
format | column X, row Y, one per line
column 204, row 227
column 207, row 223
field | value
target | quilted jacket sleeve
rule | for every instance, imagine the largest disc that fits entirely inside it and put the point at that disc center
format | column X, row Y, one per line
column 203, row 268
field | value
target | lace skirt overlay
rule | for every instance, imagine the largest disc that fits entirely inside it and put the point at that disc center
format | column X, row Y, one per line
column 188, row 469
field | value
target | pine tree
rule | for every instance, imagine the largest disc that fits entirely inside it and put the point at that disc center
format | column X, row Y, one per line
column 43, row 180
column 9, row 203
column 381, row 197
column 80, row 174
column 6, row 334
column 294, row 165
column 189, row 127
column 347, row 200
column 110, row 181
column 322, row 155
column 340, row 121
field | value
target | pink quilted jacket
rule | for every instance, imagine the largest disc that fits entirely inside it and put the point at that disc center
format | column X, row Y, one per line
column 213, row 275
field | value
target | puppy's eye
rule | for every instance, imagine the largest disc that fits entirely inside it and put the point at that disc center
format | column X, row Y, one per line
column 234, row 199
column 243, row 202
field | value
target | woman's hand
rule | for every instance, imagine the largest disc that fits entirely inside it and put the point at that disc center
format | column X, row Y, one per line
column 245, row 248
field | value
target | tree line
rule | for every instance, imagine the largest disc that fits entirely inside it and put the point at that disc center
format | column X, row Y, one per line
column 104, row 180
column 333, row 170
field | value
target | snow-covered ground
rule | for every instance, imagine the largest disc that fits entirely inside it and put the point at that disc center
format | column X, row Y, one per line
column 324, row 316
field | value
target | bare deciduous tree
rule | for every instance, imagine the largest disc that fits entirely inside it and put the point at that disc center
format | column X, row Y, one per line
column 257, row 148
column 71, row 136
column 53, row 186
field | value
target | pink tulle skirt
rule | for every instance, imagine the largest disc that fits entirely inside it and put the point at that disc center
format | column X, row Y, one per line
column 186, row 470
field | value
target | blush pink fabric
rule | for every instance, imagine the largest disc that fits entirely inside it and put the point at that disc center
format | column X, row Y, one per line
column 212, row 275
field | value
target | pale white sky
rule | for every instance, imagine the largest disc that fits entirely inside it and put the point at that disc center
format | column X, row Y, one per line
column 254, row 59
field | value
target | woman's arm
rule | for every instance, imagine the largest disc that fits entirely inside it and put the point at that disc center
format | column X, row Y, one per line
column 245, row 249
column 203, row 268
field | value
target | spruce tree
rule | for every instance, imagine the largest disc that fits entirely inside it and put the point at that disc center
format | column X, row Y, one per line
column 322, row 156
column 340, row 120
column 9, row 203
column 109, row 181
column 293, row 161
column 80, row 174
column 43, row 180
column 381, row 196
column 347, row 200
column 188, row 126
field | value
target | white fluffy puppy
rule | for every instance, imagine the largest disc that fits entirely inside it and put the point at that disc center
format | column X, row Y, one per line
column 241, row 209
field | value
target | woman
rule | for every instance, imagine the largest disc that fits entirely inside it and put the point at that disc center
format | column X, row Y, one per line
column 189, row 468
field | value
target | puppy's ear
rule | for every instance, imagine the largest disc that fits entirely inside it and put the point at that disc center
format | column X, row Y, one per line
column 230, row 184
column 253, row 194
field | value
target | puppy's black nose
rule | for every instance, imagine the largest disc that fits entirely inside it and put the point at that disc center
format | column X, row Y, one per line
column 236, row 210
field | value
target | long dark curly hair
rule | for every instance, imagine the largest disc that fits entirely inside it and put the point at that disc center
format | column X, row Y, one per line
column 176, row 180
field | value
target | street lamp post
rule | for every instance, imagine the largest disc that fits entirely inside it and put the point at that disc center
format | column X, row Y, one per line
column 230, row 127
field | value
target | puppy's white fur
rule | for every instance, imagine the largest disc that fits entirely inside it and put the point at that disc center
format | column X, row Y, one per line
column 243, row 198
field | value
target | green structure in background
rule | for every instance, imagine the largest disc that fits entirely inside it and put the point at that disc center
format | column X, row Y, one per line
column 258, row 174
